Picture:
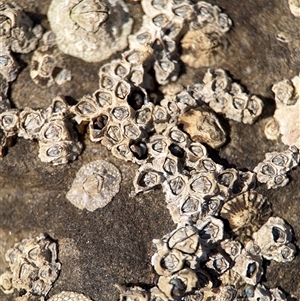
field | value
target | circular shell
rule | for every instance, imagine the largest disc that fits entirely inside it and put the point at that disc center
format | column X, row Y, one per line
column 69, row 296
column 95, row 185
column 82, row 27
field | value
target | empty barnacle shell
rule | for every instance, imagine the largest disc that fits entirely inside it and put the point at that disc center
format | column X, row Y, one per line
column 272, row 129
column 178, row 284
column 9, row 67
column 211, row 230
column 191, row 205
column 274, row 238
column 59, row 152
column 89, row 25
column 246, row 213
column 34, row 267
column 249, row 267
column 194, row 152
column 96, row 183
column 210, row 207
column 132, row 293
column 147, row 178
column 97, row 127
column 69, row 296
column 58, row 107
column 9, row 121
column 31, row 122
column 203, row 126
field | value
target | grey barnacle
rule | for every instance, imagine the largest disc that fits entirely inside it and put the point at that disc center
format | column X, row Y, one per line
column 95, row 185
column 9, row 121
column 69, row 296
column 34, row 267
column 89, row 25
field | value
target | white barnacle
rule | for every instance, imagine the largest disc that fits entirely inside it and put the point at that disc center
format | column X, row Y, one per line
column 82, row 27
column 96, row 183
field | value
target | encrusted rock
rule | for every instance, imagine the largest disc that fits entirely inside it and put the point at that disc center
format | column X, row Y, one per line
column 96, row 183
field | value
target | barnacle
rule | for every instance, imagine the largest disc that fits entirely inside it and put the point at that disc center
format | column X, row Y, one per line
column 95, row 185
column 203, row 126
column 69, row 296
column 294, row 7
column 275, row 166
column 9, row 66
column 246, row 213
column 87, row 27
column 274, row 240
column 33, row 267
column 16, row 29
column 46, row 61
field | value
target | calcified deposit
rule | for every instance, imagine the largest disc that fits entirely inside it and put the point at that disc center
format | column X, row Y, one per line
column 168, row 137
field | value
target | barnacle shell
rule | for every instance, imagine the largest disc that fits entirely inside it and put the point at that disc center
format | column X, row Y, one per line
column 95, row 185
column 211, row 231
column 9, row 67
column 9, row 121
column 261, row 293
column 249, row 267
column 203, row 126
column 218, row 263
column 34, row 266
column 246, row 213
column 157, row 295
column 178, row 284
column 273, row 239
column 272, row 129
column 132, row 293
column 17, row 29
column 294, row 7
column 69, row 296
column 31, row 122
column 82, row 27
column 275, row 166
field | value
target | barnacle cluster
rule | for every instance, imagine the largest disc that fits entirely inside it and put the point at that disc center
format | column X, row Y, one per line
column 287, row 98
column 51, row 127
column 273, row 169
column 33, row 268
column 224, row 230
column 227, row 97
column 47, row 65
